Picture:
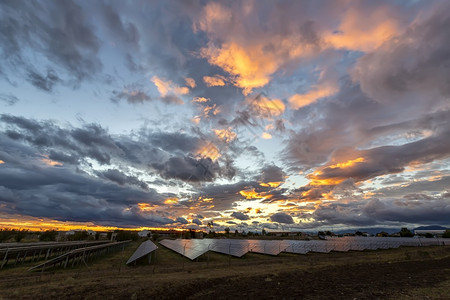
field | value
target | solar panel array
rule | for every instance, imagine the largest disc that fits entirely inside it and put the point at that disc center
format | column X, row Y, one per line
column 194, row 248
column 85, row 254
column 20, row 252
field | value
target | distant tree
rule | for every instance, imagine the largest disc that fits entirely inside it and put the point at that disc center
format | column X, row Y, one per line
column 428, row 235
column 236, row 232
column 227, row 230
column 79, row 236
column 263, row 232
column 5, row 234
column 123, row 235
column 155, row 236
column 48, row 236
column 358, row 233
column 383, row 234
column 405, row 232
column 329, row 233
column 446, row 234
column 20, row 234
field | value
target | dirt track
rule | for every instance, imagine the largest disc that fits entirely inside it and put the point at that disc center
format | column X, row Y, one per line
column 365, row 281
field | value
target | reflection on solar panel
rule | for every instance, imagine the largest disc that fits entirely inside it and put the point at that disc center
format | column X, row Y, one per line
column 319, row 246
column 188, row 248
column 231, row 247
column 267, row 247
column 299, row 247
column 144, row 249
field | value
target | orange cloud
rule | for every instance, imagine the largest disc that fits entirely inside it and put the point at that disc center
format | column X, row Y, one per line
column 205, row 199
column 226, row 135
column 271, row 184
column 146, row 207
column 1, row 162
column 249, row 67
column 348, row 163
column 363, row 32
column 250, row 194
column 318, row 177
column 316, row 93
column 209, row 151
column 190, row 82
column 172, row 200
column 213, row 16
column 216, row 80
column 50, row 162
column 166, row 87
column 266, row 135
column 248, row 55
column 200, row 99
column 211, row 109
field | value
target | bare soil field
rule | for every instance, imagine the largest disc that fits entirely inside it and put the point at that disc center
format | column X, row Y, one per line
column 404, row 273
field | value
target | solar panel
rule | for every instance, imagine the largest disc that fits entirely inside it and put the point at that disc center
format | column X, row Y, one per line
column 144, row 249
column 319, row 246
column 267, row 247
column 231, row 247
column 188, row 248
column 299, row 247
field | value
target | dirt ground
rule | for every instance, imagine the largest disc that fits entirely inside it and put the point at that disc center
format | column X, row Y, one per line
column 404, row 273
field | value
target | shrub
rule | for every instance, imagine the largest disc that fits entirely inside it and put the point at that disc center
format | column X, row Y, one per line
column 48, row 236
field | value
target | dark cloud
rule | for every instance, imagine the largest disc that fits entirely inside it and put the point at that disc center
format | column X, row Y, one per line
column 182, row 220
column 122, row 179
column 133, row 96
column 188, row 168
column 172, row 99
column 392, row 159
column 282, row 218
column 125, row 30
column 272, row 173
column 43, row 82
column 167, row 153
column 412, row 66
column 32, row 188
column 61, row 32
column 8, row 99
column 395, row 212
column 240, row 216
column 197, row 221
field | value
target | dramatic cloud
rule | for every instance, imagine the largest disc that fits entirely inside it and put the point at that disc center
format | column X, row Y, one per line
column 208, row 114
column 240, row 216
column 282, row 218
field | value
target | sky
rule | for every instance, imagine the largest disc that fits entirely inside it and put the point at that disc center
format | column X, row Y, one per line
column 251, row 115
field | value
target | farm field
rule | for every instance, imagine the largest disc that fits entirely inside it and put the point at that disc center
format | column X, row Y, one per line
column 403, row 273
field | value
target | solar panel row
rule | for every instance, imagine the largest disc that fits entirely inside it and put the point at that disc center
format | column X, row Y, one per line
column 235, row 247
column 19, row 252
column 75, row 257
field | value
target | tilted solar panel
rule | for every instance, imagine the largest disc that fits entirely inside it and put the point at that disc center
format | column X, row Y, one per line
column 144, row 249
